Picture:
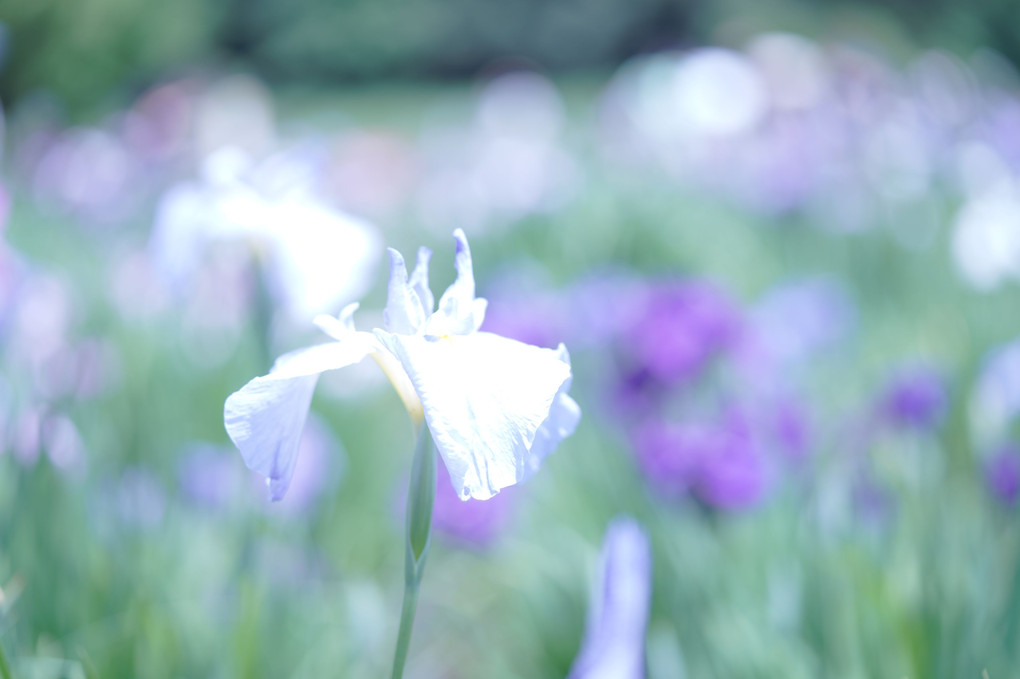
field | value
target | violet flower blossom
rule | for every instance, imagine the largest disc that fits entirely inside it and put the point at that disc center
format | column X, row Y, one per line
column 614, row 644
column 683, row 326
column 494, row 407
column 915, row 398
column 1002, row 474
column 721, row 462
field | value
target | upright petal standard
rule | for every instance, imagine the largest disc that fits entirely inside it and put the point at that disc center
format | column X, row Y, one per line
column 614, row 645
column 495, row 407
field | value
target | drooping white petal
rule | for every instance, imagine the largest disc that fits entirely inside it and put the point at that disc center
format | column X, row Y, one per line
column 563, row 418
column 485, row 398
column 459, row 313
column 404, row 313
column 265, row 417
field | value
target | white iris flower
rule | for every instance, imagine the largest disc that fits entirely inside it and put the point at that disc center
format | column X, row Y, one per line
column 495, row 407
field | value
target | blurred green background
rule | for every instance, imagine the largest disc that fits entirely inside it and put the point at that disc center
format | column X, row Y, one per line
column 89, row 52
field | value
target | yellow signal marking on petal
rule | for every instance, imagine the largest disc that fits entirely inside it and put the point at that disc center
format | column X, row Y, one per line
column 402, row 383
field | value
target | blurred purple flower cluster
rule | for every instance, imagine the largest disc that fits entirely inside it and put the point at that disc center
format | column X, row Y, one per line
column 787, row 125
column 916, row 397
column 46, row 366
column 712, row 397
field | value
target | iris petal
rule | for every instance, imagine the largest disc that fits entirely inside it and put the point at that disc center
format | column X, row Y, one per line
column 459, row 313
column 563, row 419
column 341, row 327
column 266, row 416
column 403, row 313
column 419, row 282
column 485, row 400
column 614, row 644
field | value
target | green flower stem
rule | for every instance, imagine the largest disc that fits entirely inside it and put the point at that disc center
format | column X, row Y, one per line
column 406, row 623
column 5, row 667
column 421, row 496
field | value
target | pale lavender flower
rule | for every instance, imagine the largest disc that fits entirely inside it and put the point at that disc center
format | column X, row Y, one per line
column 1002, row 131
column 64, row 445
column 89, row 172
column 159, row 122
column 789, row 427
column 494, row 407
column 995, row 403
column 915, row 397
column 733, row 475
column 41, row 319
column 614, row 643
column 681, row 327
column 793, row 323
column 721, row 461
column 605, row 304
column 671, row 454
column 1002, row 474
column 83, row 369
column 26, row 435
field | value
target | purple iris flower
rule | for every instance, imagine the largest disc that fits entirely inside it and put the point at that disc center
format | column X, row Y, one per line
column 793, row 323
column 671, row 454
column 1002, row 474
column 636, row 393
column 722, row 462
column 682, row 326
column 733, row 471
column 614, row 644
column 915, row 398
column 789, row 427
